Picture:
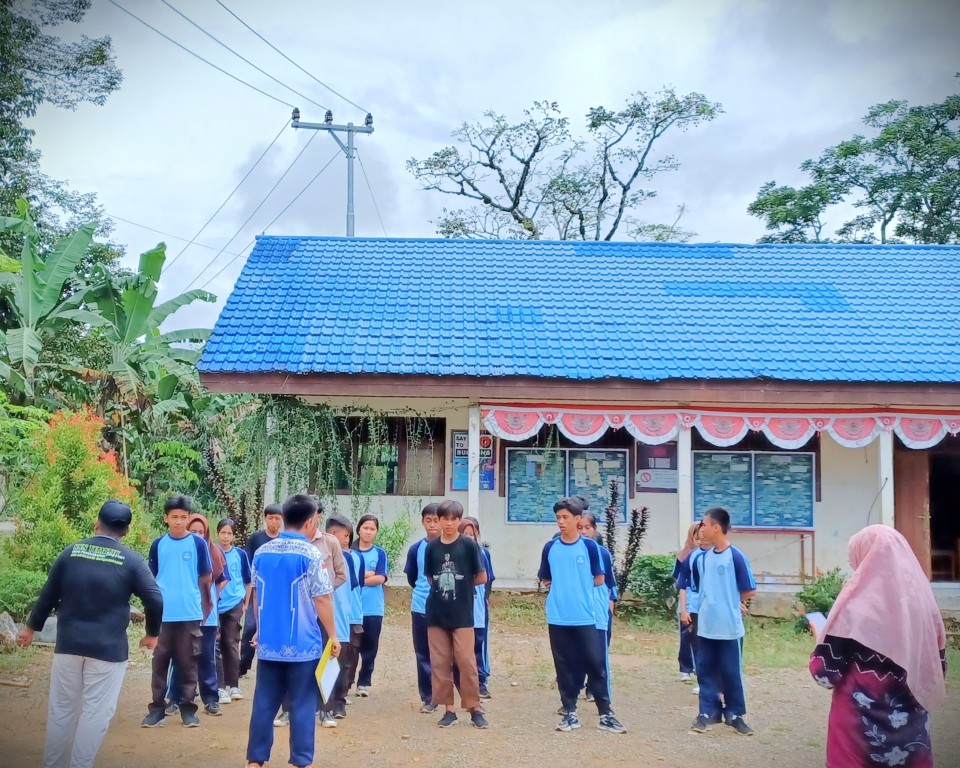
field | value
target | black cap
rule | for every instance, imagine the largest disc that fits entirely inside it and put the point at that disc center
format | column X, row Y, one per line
column 115, row 514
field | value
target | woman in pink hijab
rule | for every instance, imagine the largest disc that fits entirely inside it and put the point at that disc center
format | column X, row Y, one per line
column 882, row 654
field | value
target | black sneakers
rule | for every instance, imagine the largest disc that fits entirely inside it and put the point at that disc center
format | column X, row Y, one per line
column 155, row 719
column 213, row 708
column 569, row 722
column 190, row 719
column 478, row 720
column 427, row 707
column 703, row 722
column 448, row 719
column 609, row 722
column 485, row 692
column 740, row 726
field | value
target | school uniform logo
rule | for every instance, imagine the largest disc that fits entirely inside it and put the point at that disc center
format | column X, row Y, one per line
column 186, row 555
column 721, row 570
column 580, row 560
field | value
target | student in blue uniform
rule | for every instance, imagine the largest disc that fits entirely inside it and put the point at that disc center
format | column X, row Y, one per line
column 335, row 708
column 725, row 583
column 606, row 594
column 688, row 599
column 470, row 526
column 420, row 585
column 355, row 560
column 234, row 600
column 685, row 654
column 571, row 566
column 180, row 562
column 375, row 569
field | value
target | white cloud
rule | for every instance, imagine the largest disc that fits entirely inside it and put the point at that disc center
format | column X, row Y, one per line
column 169, row 146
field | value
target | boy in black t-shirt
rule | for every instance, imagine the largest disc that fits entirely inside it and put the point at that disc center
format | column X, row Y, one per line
column 454, row 565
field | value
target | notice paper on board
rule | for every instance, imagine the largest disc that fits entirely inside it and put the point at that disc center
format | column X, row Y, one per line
column 328, row 669
column 817, row 621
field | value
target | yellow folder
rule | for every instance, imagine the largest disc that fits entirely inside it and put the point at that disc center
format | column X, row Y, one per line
column 328, row 670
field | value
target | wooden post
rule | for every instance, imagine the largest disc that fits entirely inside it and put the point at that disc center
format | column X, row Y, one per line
column 684, row 483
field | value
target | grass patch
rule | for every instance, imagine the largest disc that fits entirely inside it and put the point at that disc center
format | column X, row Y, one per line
column 953, row 665
column 775, row 644
column 17, row 660
column 524, row 610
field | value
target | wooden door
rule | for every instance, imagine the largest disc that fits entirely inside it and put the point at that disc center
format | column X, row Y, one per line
column 911, row 501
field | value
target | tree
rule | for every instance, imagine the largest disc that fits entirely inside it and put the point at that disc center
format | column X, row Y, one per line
column 534, row 179
column 131, row 327
column 35, row 297
column 904, row 179
column 38, row 68
column 41, row 68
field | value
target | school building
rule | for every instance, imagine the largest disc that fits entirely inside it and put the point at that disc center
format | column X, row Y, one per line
column 809, row 389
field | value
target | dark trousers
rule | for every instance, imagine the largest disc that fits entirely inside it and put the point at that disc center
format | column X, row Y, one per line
column 482, row 651
column 603, row 637
column 278, row 680
column 577, row 657
column 349, row 652
column 230, row 645
column 356, row 639
column 720, row 675
column 685, row 656
column 369, row 646
column 421, row 649
column 247, row 651
column 206, row 670
column 179, row 642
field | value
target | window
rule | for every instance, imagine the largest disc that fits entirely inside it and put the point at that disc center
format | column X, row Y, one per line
column 394, row 455
column 759, row 489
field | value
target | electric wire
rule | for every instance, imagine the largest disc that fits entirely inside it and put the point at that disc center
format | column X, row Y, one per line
column 252, row 242
column 254, row 212
column 238, row 55
column 308, row 74
column 370, row 190
column 198, row 56
column 114, row 217
column 239, row 184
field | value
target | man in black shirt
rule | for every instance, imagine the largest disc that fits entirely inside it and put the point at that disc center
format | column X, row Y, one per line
column 90, row 585
column 272, row 523
column 454, row 565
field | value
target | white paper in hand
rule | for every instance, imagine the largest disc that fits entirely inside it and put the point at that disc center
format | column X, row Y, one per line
column 328, row 678
column 817, row 621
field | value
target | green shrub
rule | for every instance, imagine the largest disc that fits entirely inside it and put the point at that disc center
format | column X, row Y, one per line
column 19, row 590
column 818, row 594
column 651, row 582
column 59, row 504
column 393, row 537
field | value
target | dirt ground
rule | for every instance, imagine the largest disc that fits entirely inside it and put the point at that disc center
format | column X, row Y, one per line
column 787, row 710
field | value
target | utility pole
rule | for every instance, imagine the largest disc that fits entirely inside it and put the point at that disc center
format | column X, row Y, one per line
column 348, row 149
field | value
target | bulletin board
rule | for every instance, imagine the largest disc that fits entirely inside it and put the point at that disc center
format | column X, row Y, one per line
column 536, row 478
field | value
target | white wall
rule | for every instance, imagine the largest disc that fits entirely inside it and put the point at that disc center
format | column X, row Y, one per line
column 849, row 486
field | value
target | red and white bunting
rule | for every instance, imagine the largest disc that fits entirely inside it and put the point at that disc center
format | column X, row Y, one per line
column 584, row 425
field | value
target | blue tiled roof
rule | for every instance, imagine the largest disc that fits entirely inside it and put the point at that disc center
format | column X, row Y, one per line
column 575, row 310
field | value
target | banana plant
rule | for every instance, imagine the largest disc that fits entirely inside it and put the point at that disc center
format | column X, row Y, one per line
column 34, row 292
column 132, row 319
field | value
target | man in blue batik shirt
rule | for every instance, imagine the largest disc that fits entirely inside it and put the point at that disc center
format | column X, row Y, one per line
column 725, row 583
column 291, row 591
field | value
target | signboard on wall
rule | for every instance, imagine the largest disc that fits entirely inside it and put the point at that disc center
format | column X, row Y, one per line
column 537, row 477
column 460, row 476
column 590, row 474
column 657, row 468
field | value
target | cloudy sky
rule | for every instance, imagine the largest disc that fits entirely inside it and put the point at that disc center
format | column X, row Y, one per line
column 167, row 149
